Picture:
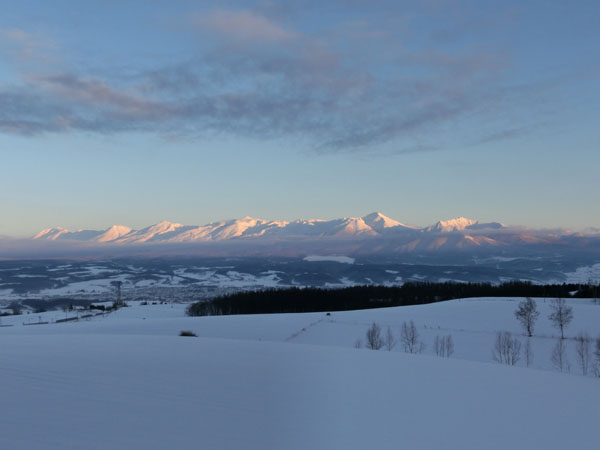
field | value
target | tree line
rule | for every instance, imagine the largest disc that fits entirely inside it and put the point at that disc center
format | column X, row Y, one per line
column 295, row 300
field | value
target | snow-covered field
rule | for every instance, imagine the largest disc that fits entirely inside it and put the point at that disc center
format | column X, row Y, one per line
column 128, row 381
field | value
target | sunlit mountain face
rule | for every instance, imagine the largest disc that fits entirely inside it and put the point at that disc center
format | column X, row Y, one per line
column 372, row 234
column 371, row 225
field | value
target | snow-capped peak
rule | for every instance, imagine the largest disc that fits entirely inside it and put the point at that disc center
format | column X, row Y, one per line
column 353, row 226
column 165, row 226
column 246, row 226
column 112, row 233
column 152, row 232
column 51, row 233
column 445, row 226
column 379, row 222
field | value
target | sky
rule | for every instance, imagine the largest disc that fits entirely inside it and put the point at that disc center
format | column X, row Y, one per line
column 132, row 112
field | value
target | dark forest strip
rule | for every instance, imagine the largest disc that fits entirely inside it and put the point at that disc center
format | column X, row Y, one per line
column 295, row 300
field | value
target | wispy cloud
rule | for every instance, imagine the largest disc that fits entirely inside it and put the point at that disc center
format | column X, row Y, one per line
column 243, row 25
column 510, row 133
column 26, row 47
column 95, row 93
column 262, row 78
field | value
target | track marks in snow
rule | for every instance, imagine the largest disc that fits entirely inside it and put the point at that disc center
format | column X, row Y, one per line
column 303, row 330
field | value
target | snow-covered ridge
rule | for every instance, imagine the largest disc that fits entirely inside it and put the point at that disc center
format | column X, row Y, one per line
column 374, row 224
column 455, row 233
column 461, row 223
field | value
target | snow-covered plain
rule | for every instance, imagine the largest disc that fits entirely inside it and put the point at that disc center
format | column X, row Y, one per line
column 128, row 381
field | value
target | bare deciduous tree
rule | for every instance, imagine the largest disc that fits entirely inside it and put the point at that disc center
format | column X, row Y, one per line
column 583, row 344
column 506, row 350
column 358, row 343
column 528, row 353
column 410, row 338
column 374, row 339
column 390, row 340
column 438, row 346
column 443, row 346
column 449, row 346
column 561, row 315
column 527, row 314
column 559, row 356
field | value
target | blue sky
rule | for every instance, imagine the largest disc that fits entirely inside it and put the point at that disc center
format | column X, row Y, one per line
column 133, row 112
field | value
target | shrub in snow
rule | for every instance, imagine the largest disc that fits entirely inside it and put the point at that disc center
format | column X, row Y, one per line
column 374, row 339
column 443, row 346
column 583, row 344
column 409, row 337
column 390, row 340
column 559, row 356
column 187, row 333
column 506, row 350
column 528, row 353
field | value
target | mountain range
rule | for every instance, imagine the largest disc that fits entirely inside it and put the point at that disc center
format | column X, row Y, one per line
column 370, row 230
column 375, row 224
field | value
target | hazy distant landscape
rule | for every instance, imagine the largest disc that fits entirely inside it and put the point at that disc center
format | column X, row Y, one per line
column 187, row 279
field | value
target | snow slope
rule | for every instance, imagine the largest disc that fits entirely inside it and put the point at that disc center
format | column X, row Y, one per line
column 127, row 381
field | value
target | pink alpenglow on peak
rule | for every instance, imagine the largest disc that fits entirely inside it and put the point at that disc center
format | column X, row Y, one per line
column 113, row 233
column 460, row 224
column 344, row 229
column 379, row 222
column 51, row 233
column 445, row 226
column 152, row 232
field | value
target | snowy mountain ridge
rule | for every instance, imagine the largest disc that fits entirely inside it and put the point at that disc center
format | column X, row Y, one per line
column 374, row 224
column 373, row 233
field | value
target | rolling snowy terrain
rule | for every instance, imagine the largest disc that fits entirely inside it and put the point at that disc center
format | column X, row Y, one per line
column 128, row 381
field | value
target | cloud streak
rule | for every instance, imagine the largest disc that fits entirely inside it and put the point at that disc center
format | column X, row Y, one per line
column 262, row 79
column 26, row 47
column 243, row 25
